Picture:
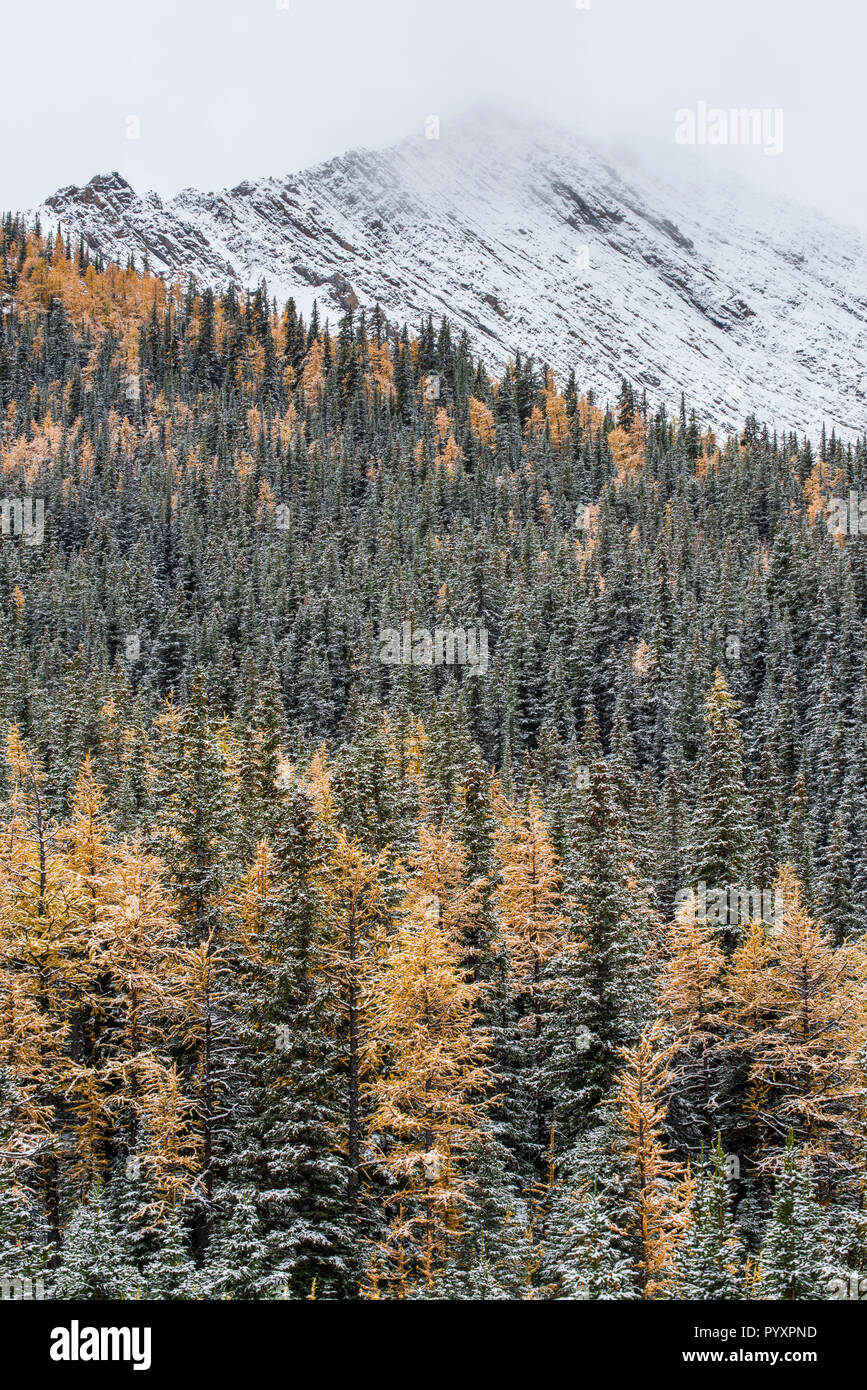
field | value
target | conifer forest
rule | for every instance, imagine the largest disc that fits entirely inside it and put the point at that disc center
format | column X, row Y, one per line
column 432, row 853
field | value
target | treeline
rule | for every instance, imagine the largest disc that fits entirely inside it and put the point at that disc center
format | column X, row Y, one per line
column 299, row 996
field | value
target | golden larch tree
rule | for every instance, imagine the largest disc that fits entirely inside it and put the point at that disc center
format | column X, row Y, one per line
column 658, row 1190
column 428, row 1098
column 803, row 1021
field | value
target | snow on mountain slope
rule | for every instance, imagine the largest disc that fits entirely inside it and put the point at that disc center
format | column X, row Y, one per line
column 532, row 241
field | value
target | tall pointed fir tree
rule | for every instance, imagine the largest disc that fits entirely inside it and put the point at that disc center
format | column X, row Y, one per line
column 602, row 977
column 709, row 1260
column 193, row 793
column 794, row 1264
column 721, row 836
column 291, row 1142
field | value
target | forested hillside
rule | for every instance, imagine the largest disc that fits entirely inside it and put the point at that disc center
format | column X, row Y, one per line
column 334, row 965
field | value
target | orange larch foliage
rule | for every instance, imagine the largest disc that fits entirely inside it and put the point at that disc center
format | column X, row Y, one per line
column 482, row 423
column 627, row 447
column 555, row 413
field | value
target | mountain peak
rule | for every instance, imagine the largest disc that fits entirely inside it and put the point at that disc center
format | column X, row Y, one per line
column 101, row 189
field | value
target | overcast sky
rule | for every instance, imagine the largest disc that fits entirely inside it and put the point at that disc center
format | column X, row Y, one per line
column 230, row 89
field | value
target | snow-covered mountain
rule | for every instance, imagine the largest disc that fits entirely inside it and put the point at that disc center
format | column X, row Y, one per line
column 532, row 241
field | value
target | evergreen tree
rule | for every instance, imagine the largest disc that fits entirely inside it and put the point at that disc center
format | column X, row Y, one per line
column 584, row 1255
column 290, row 1141
column 94, row 1262
column 602, row 976
column 709, row 1259
column 794, row 1258
column 720, row 839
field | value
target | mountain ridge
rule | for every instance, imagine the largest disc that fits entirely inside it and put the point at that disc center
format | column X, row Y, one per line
column 531, row 240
